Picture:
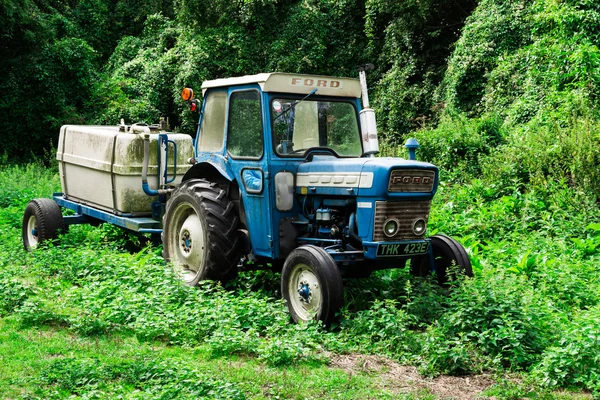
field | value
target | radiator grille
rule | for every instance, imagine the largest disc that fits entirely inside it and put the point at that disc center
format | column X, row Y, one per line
column 411, row 180
column 406, row 212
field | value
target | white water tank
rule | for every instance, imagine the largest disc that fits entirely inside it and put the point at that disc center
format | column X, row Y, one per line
column 101, row 166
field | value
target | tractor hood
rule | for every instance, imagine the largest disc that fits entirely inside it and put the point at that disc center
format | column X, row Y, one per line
column 366, row 177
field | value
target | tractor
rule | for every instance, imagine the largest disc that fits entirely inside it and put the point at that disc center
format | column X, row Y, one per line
column 282, row 174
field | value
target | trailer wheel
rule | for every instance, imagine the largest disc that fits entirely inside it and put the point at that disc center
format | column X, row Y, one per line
column 42, row 221
column 311, row 285
column 200, row 232
column 450, row 258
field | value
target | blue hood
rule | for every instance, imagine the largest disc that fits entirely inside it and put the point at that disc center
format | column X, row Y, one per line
column 378, row 167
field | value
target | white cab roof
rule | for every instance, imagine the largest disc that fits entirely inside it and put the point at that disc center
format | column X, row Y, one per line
column 293, row 83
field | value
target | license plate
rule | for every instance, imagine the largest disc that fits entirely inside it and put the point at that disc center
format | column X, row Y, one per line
column 401, row 249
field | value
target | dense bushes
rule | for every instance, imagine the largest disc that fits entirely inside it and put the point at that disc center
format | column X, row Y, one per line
column 527, row 71
column 52, row 53
column 532, row 69
column 494, row 29
column 575, row 358
column 533, row 305
column 99, row 61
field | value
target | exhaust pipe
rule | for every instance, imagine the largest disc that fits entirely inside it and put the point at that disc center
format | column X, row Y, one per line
column 367, row 116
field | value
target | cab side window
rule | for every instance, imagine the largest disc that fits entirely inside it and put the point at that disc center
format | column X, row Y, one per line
column 244, row 134
column 212, row 130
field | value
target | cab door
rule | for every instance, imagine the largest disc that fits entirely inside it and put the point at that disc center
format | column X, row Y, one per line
column 248, row 161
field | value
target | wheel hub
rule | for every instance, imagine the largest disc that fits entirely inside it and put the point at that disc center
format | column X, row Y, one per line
column 191, row 240
column 186, row 241
column 32, row 231
column 304, row 292
column 306, row 297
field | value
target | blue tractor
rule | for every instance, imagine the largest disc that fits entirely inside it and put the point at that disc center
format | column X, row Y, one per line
column 283, row 174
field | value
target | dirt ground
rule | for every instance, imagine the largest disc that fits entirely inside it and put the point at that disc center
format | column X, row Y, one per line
column 399, row 379
column 405, row 379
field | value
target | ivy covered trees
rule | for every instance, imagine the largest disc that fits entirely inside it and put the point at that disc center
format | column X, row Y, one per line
column 488, row 73
column 96, row 61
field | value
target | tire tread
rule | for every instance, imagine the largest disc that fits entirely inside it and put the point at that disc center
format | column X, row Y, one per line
column 324, row 266
column 49, row 220
column 448, row 248
column 222, row 223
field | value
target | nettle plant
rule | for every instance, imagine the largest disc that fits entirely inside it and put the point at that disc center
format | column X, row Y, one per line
column 591, row 244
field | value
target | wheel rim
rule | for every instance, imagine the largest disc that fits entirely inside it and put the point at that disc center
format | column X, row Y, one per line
column 186, row 240
column 305, row 292
column 32, row 232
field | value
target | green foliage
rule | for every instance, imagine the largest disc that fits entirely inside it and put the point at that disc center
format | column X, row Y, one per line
column 410, row 40
column 458, row 144
column 139, row 76
column 575, row 359
column 382, row 329
column 147, row 72
column 533, row 290
column 539, row 152
column 52, row 54
column 129, row 59
column 13, row 294
column 496, row 319
column 591, row 244
column 495, row 28
column 18, row 185
column 561, row 82
column 151, row 380
column 534, row 68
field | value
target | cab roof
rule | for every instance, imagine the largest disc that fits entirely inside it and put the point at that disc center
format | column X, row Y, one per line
column 292, row 83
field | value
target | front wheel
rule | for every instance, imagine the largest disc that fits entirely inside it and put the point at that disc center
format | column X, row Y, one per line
column 42, row 221
column 200, row 234
column 449, row 257
column 311, row 285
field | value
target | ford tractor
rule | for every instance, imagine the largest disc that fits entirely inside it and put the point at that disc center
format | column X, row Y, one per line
column 282, row 174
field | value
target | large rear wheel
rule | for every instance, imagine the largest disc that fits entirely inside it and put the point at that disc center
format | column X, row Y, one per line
column 449, row 257
column 311, row 285
column 200, row 234
column 42, row 221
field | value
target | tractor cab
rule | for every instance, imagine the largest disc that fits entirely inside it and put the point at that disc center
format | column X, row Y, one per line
column 255, row 132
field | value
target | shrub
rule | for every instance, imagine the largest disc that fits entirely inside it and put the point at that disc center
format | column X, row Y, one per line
column 495, row 28
column 12, row 295
column 458, row 144
column 495, row 317
column 575, row 358
column 381, row 329
column 544, row 153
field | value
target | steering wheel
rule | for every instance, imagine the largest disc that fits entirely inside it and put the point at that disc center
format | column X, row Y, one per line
column 315, row 150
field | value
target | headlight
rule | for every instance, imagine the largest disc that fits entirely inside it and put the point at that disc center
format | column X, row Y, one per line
column 390, row 228
column 419, row 227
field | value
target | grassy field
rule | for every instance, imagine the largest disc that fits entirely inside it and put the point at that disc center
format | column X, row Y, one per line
column 97, row 315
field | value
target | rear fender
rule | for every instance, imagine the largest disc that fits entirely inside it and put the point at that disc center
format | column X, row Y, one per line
column 209, row 171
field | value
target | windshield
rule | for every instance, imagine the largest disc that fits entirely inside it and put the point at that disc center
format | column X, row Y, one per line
column 298, row 126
